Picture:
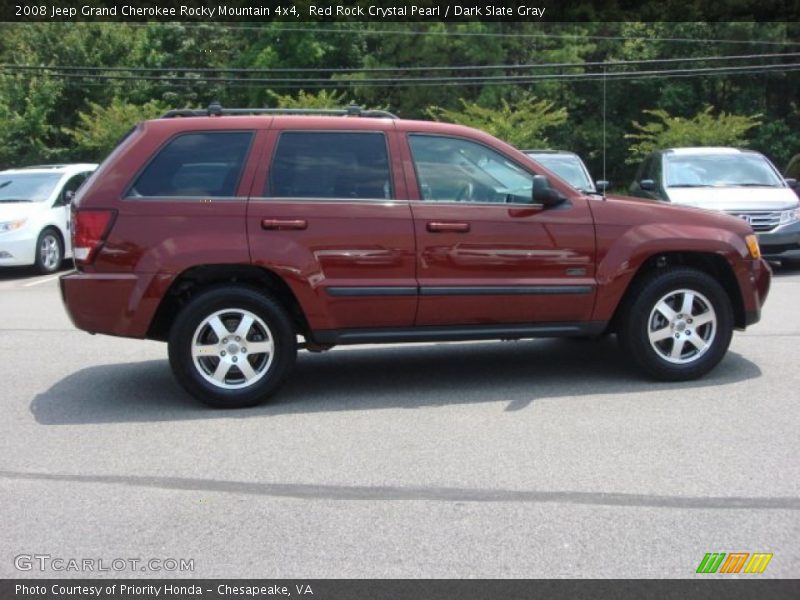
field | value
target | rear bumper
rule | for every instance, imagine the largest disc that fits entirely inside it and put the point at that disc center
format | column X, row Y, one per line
column 121, row 304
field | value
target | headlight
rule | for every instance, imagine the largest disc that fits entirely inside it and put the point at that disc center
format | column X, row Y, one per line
column 790, row 216
column 12, row 225
column 752, row 246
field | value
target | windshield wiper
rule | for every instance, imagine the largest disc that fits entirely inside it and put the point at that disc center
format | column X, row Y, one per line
column 689, row 185
column 753, row 184
column 15, row 200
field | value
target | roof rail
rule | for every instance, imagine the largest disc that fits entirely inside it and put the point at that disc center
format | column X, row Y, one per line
column 215, row 110
column 51, row 166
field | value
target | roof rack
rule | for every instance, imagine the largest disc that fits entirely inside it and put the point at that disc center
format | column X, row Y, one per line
column 215, row 110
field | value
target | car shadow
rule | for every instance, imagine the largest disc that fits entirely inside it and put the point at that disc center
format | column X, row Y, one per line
column 512, row 374
column 18, row 273
column 785, row 269
column 21, row 273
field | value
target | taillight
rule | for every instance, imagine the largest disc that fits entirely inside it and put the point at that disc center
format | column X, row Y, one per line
column 89, row 231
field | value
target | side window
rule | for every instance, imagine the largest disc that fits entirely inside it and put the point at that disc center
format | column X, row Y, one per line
column 793, row 170
column 457, row 170
column 330, row 164
column 656, row 170
column 644, row 169
column 72, row 185
column 207, row 164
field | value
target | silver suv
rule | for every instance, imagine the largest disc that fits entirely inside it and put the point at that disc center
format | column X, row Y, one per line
column 570, row 168
column 742, row 183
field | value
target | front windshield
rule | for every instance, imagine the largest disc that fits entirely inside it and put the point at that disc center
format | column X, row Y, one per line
column 568, row 167
column 719, row 170
column 27, row 187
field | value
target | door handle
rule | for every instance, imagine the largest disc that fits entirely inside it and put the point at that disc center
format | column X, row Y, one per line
column 447, row 227
column 282, row 224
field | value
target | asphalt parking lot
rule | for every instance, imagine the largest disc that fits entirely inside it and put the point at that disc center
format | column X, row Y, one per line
column 547, row 458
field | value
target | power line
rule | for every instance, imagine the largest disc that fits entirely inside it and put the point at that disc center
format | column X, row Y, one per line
column 488, row 34
column 437, row 81
column 447, row 33
column 603, row 64
column 345, row 83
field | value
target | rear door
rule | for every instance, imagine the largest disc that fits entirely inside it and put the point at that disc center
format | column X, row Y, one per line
column 324, row 214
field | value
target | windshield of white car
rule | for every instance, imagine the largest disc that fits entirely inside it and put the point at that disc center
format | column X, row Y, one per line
column 27, row 187
column 568, row 167
column 719, row 170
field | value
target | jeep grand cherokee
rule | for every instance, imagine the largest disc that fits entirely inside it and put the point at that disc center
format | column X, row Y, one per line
column 229, row 233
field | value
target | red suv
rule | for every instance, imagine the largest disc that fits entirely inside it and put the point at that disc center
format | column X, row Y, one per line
column 229, row 233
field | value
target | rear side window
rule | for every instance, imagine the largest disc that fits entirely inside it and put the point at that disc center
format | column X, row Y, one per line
column 330, row 165
column 196, row 164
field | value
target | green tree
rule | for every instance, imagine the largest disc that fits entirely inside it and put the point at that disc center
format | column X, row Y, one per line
column 27, row 108
column 100, row 128
column 322, row 99
column 521, row 123
column 704, row 129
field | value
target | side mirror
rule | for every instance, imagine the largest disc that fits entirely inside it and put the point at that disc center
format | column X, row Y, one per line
column 602, row 185
column 68, row 196
column 648, row 185
column 791, row 182
column 543, row 194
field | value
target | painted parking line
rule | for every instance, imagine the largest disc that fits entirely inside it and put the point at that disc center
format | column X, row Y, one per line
column 40, row 281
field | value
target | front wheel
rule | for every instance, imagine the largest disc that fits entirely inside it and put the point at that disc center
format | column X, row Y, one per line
column 232, row 347
column 677, row 324
column 49, row 252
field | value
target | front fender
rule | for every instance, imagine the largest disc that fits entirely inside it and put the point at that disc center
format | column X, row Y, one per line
column 621, row 253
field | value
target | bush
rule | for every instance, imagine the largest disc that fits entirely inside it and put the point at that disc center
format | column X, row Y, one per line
column 704, row 129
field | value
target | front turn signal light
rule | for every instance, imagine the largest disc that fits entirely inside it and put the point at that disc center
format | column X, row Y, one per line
column 752, row 246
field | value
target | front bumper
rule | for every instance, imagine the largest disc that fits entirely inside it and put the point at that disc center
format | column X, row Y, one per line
column 782, row 242
column 121, row 304
column 754, row 283
column 17, row 249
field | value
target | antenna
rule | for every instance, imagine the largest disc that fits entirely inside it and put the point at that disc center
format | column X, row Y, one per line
column 605, row 178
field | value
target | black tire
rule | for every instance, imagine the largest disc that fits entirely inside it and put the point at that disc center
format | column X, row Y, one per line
column 231, row 305
column 49, row 251
column 790, row 263
column 639, row 317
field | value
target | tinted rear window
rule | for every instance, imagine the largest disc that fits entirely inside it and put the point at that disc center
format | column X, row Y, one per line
column 330, row 165
column 196, row 164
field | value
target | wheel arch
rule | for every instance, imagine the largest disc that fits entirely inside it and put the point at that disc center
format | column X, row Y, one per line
column 714, row 265
column 199, row 278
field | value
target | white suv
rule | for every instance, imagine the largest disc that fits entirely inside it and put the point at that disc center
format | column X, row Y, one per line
column 34, row 214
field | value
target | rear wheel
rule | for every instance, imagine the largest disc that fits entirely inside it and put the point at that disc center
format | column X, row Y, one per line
column 677, row 324
column 232, row 347
column 49, row 252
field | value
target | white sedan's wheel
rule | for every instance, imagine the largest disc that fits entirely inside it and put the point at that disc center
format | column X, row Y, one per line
column 48, row 252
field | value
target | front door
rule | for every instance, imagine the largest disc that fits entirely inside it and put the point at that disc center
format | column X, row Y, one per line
column 485, row 253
